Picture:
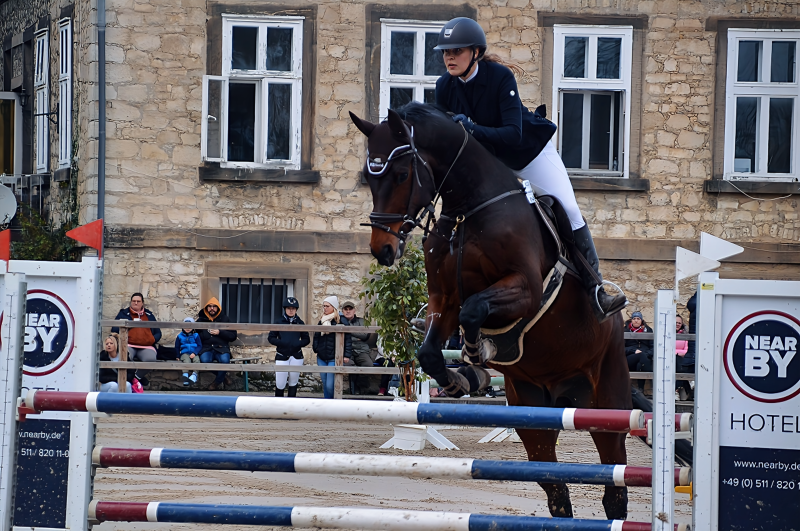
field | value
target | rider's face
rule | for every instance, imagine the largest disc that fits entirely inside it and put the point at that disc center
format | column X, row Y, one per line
column 457, row 60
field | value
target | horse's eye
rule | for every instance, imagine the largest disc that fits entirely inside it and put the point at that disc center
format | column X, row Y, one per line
column 401, row 177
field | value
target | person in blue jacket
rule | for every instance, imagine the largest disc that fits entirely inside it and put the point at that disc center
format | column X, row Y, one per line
column 481, row 92
column 187, row 346
column 290, row 345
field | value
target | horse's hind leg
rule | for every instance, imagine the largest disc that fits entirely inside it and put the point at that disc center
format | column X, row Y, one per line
column 611, row 447
column 613, row 392
column 540, row 445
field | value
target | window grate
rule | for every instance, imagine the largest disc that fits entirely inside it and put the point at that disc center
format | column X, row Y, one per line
column 254, row 300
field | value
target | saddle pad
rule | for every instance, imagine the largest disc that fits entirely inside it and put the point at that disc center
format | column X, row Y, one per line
column 509, row 340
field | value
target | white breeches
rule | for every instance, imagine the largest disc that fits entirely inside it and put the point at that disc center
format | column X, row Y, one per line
column 280, row 377
column 548, row 176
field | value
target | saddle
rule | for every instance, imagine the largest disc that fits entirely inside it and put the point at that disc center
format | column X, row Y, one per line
column 504, row 346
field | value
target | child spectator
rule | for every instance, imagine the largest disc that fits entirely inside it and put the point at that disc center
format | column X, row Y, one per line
column 108, row 377
column 290, row 346
column 187, row 346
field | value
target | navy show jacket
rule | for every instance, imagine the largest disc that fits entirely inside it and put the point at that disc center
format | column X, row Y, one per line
column 503, row 124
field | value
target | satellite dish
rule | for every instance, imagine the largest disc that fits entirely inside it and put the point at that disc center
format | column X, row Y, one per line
column 8, row 204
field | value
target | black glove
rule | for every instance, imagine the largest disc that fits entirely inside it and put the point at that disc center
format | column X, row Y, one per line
column 468, row 124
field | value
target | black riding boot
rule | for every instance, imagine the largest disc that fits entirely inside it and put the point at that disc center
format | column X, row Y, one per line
column 603, row 304
column 292, row 391
column 279, row 392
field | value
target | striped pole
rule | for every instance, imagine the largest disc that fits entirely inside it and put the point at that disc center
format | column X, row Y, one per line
column 382, row 465
column 372, row 411
column 342, row 518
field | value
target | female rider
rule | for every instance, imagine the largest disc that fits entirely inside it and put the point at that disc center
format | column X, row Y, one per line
column 482, row 93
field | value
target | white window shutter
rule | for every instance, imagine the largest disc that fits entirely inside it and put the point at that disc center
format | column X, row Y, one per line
column 214, row 127
column 65, row 93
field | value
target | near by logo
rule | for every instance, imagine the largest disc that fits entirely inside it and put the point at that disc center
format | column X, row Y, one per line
column 760, row 356
column 49, row 333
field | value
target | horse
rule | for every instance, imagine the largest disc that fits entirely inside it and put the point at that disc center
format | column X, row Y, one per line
column 486, row 259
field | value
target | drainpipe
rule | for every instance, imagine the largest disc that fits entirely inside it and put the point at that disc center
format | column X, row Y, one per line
column 101, row 97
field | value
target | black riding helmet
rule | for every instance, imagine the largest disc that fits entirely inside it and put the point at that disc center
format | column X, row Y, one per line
column 291, row 302
column 462, row 32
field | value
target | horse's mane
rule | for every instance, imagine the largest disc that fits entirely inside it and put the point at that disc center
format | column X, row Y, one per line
column 435, row 119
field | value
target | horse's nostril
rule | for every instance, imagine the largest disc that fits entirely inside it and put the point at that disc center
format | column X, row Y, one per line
column 386, row 257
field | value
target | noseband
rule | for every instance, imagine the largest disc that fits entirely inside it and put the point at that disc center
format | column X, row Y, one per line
column 381, row 220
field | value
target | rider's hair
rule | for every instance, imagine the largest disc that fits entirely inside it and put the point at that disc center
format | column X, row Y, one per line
column 515, row 68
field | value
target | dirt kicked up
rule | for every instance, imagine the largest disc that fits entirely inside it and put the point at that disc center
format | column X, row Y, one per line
column 286, row 489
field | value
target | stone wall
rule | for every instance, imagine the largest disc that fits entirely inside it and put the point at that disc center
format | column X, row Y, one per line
column 157, row 57
column 156, row 54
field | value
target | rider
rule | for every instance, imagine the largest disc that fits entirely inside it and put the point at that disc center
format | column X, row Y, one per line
column 481, row 89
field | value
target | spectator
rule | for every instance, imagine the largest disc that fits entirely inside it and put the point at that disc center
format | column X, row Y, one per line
column 638, row 351
column 109, row 377
column 187, row 346
column 325, row 342
column 689, row 359
column 681, row 347
column 290, row 346
column 141, row 341
column 216, row 343
column 361, row 348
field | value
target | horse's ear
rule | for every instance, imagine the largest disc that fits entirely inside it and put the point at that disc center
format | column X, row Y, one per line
column 396, row 125
column 363, row 125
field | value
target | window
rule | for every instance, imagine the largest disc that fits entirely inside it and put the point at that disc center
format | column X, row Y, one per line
column 64, row 93
column 41, row 89
column 592, row 97
column 409, row 64
column 254, row 300
column 761, row 111
column 10, row 134
column 251, row 113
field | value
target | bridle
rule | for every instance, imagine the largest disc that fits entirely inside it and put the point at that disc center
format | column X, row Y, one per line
column 381, row 220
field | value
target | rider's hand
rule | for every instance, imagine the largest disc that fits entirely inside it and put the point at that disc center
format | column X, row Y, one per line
column 468, row 124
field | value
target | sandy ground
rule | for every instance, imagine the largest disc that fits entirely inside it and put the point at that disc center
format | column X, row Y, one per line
column 284, row 489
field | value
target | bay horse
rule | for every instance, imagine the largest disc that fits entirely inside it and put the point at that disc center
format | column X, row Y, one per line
column 568, row 358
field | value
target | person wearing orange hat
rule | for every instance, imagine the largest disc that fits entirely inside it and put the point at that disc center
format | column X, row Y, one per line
column 216, row 343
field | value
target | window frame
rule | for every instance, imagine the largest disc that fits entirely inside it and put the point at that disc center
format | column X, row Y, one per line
column 262, row 78
column 41, row 98
column 65, row 93
column 418, row 81
column 592, row 84
column 763, row 90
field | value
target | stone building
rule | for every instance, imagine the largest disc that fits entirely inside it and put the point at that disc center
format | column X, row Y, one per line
column 233, row 170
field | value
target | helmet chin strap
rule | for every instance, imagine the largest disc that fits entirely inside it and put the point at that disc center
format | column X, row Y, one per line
column 475, row 57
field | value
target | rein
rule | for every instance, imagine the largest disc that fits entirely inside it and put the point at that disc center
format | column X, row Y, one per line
column 381, row 220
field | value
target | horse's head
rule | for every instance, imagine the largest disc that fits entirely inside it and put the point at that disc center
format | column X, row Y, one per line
column 400, row 180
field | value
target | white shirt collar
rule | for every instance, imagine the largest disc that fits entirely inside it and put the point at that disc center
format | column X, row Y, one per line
column 470, row 78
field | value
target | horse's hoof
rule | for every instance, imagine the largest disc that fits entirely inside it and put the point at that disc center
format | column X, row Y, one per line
column 478, row 378
column 458, row 386
column 488, row 350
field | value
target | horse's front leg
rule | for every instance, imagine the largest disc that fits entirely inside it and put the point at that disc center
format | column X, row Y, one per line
column 506, row 301
column 441, row 322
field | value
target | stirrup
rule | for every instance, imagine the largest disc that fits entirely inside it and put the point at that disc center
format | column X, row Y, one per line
column 602, row 314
